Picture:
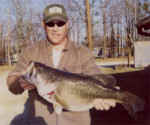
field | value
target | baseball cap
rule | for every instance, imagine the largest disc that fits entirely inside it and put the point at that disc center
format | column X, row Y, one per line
column 54, row 12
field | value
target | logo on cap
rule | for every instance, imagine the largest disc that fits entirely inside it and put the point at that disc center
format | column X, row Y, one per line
column 54, row 10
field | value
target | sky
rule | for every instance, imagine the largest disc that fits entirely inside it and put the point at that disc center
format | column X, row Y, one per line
column 37, row 4
column 4, row 4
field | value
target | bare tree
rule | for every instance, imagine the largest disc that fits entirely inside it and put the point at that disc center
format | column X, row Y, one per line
column 104, row 6
column 2, row 47
column 7, row 42
column 27, row 28
column 112, row 38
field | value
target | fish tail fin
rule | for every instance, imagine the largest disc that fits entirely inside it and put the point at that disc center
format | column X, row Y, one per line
column 130, row 110
column 132, row 104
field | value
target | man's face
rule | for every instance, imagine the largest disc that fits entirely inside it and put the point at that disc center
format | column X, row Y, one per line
column 56, row 31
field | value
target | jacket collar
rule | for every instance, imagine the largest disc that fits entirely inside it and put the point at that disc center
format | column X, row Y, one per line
column 65, row 55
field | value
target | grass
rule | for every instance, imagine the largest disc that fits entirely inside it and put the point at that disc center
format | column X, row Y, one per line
column 119, row 69
column 4, row 68
column 108, row 70
column 10, row 105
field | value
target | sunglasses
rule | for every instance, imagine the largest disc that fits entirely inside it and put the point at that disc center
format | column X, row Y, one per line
column 53, row 23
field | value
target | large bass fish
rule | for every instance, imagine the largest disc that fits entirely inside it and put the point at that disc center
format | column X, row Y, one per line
column 77, row 92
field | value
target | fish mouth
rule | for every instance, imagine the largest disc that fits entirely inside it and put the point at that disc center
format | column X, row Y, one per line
column 26, row 78
column 26, row 74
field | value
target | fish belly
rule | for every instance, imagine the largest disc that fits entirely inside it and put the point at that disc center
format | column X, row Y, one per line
column 71, row 98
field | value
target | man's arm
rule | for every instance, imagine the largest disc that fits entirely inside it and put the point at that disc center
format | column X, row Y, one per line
column 14, row 82
column 88, row 63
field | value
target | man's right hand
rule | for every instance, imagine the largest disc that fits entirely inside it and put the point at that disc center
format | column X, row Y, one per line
column 17, row 85
column 26, row 85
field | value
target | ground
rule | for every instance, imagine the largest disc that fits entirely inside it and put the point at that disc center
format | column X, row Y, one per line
column 10, row 105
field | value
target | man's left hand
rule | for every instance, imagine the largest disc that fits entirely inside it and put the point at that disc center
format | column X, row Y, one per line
column 104, row 104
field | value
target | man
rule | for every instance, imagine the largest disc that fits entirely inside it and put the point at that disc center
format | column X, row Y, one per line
column 60, row 52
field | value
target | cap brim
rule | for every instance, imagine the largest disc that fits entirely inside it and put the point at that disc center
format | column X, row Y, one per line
column 56, row 18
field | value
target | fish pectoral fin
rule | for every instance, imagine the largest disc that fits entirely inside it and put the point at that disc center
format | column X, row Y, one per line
column 58, row 109
column 107, row 80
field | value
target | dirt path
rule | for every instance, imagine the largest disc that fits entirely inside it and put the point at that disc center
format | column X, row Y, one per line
column 10, row 105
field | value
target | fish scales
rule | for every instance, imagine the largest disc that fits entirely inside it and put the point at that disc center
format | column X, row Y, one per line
column 79, row 81
column 77, row 92
column 62, row 75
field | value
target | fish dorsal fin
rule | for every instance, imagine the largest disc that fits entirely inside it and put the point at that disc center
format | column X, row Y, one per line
column 107, row 80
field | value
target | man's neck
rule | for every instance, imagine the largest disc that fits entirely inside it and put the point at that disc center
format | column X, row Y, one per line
column 60, row 46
